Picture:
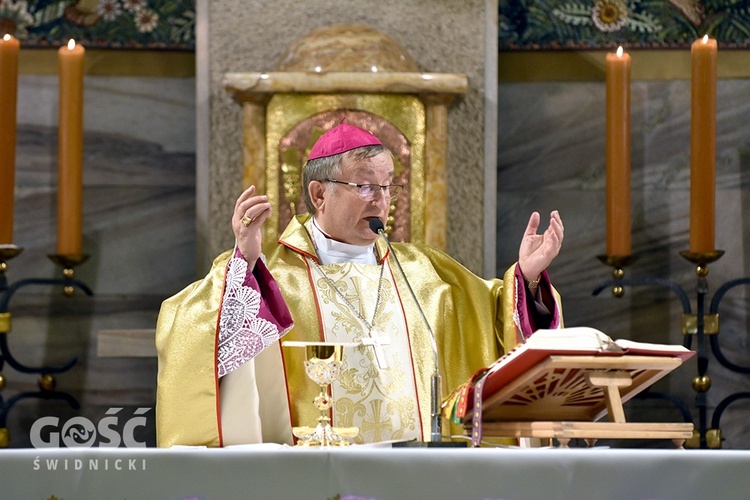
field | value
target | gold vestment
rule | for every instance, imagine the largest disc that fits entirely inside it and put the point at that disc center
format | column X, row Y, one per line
column 474, row 322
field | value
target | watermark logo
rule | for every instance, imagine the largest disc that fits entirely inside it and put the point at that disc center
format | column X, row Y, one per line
column 80, row 432
column 91, row 464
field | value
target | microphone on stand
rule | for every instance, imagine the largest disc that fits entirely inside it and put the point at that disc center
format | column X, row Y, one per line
column 436, row 434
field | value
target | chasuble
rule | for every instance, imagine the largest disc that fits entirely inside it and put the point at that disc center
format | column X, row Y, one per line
column 224, row 377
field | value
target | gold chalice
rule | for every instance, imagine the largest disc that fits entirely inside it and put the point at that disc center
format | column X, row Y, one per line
column 322, row 366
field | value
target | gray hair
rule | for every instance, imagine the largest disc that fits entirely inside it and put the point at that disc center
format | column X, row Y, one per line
column 329, row 167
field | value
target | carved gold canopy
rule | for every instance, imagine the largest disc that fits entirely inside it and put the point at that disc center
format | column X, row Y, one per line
column 358, row 74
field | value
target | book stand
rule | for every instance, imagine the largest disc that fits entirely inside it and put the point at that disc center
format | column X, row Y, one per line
column 564, row 396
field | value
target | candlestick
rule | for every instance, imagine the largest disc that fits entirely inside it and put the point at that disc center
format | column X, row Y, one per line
column 701, row 327
column 618, row 153
column 46, row 380
column 68, row 262
column 703, row 146
column 70, row 152
column 8, row 104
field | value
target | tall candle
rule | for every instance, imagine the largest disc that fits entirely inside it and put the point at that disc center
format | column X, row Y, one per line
column 8, row 104
column 703, row 146
column 70, row 150
column 617, row 70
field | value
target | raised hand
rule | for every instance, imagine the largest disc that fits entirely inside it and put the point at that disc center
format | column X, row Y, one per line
column 250, row 212
column 539, row 250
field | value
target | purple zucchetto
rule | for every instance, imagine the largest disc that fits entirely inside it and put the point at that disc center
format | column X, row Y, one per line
column 340, row 139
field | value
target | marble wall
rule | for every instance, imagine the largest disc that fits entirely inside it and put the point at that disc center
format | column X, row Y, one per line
column 551, row 149
column 139, row 230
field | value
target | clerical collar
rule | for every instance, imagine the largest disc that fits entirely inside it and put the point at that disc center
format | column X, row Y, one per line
column 331, row 251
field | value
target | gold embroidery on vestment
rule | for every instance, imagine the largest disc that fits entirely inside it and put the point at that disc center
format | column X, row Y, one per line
column 381, row 402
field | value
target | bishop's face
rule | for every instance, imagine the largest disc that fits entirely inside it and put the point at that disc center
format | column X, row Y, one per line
column 341, row 211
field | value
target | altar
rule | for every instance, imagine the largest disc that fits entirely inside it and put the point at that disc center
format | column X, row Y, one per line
column 365, row 472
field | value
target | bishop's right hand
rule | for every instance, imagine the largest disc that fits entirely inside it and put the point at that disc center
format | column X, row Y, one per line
column 250, row 212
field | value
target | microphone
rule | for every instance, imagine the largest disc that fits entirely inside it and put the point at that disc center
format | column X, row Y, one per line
column 436, row 435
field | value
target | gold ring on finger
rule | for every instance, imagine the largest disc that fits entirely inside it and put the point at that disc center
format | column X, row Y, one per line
column 246, row 221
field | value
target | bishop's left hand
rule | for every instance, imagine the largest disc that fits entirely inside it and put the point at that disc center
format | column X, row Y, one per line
column 539, row 250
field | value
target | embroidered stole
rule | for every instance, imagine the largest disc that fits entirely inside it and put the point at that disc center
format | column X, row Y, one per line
column 382, row 402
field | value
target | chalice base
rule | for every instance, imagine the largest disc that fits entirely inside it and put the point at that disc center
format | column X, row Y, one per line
column 323, row 435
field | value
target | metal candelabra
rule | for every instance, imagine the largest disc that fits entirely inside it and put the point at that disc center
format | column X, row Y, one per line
column 699, row 326
column 46, row 381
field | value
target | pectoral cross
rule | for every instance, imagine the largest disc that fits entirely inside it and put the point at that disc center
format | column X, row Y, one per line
column 377, row 340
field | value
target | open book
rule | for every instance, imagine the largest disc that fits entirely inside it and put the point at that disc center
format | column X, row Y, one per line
column 543, row 344
column 590, row 339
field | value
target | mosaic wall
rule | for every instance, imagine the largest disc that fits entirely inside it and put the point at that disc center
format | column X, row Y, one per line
column 523, row 24
column 111, row 24
column 582, row 24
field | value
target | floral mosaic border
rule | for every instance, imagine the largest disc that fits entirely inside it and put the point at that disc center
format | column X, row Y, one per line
column 110, row 24
column 640, row 24
column 523, row 24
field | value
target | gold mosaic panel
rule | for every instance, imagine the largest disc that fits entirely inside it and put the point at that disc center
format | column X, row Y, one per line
column 295, row 121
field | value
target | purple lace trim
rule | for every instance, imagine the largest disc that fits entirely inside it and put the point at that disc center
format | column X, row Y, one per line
column 243, row 334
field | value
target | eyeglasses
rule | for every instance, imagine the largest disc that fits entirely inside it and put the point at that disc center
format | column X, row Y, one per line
column 369, row 192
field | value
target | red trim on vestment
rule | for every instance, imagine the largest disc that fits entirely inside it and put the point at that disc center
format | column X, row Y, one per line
column 385, row 256
column 299, row 251
column 321, row 330
column 216, row 356
column 519, row 298
column 288, row 396
column 317, row 302
column 411, row 353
